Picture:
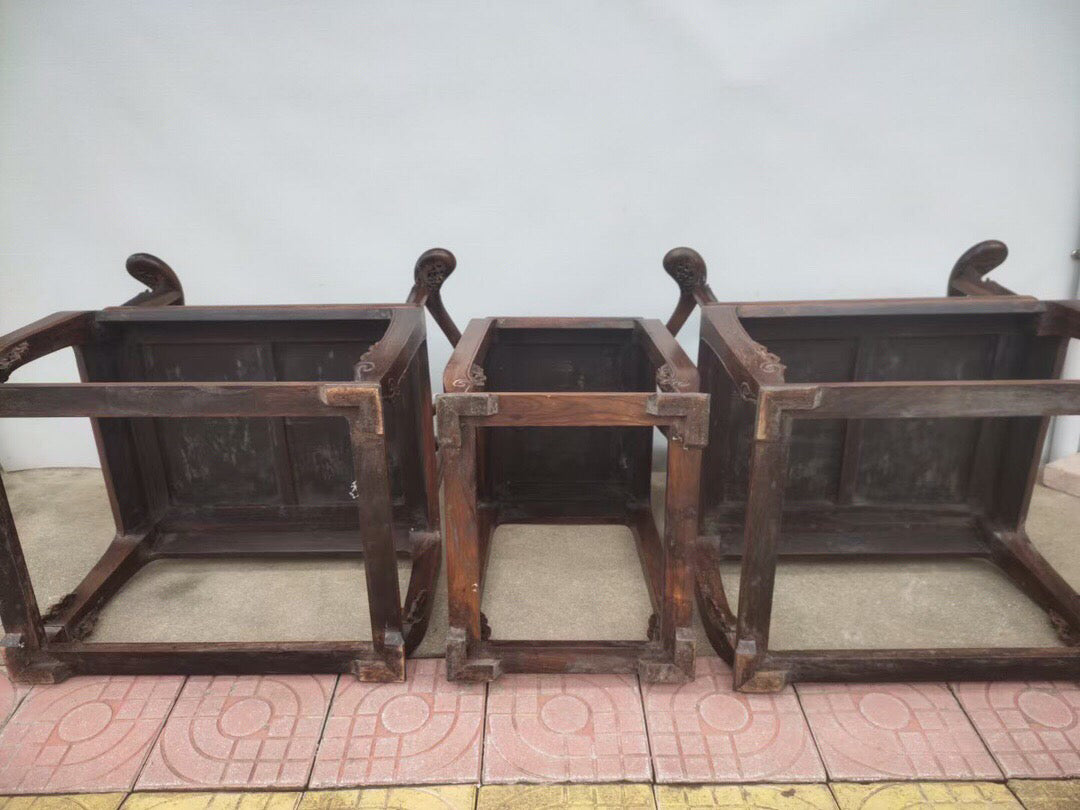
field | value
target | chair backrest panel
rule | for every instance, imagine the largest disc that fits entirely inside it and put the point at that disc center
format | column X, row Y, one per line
column 898, row 461
column 571, row 463
column 242, row 461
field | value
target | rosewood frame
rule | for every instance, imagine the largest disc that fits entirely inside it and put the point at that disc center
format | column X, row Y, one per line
column 388, row 412
column 1028, row 335
column 487, row 481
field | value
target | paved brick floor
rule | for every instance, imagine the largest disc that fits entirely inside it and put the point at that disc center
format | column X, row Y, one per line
column 532, row 741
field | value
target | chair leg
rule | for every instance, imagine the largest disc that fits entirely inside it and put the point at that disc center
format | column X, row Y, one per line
column 380, row 560
column 765, row 502
column 25, row 631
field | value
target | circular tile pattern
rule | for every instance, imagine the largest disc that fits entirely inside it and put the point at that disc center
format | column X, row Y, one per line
column 424, row 731
column 885, row 711
column 1032, row 728
column 703, row 731
column 1045, row 709
column 245, row 717
column 724, row 712
column 247, row 731
column 405, row 713
column 84, row 722
column 565, row 728
column 87, row 734
column 894, row 731
column 565, row 714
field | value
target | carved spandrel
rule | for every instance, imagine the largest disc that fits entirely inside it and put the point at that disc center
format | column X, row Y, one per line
column 11, row 358
column 667, row 377
column 476, row 379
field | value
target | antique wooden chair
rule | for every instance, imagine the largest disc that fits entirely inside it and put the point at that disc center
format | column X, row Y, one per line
column 258, row 431
column 877, row 429
column 551, row 420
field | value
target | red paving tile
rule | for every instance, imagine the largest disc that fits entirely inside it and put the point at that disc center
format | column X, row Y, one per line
column 894, row 731
column 1032, row 729
column 565, row 728
column 704, row 731
column 251, row 731
column 424, row 731
column 86, row 734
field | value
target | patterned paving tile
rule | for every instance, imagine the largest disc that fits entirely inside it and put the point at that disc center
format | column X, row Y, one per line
column 433, row 797
column 212, row 801
column 571, row 797
column 1032, row 729
column 86, row 734
column 70, row 801
column 759, row 797
column 249, row 731
column 565, row 728
column 951, row 795
column 425, row 731
column 894, row 731
column 1047, row 794
column 704, row 731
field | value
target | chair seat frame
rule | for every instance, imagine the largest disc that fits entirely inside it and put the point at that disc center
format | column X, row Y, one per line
column 480, row 495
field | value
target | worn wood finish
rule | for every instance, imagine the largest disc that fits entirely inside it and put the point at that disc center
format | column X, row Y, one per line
column 550, row 420
column 879, row 429
column 265, row 432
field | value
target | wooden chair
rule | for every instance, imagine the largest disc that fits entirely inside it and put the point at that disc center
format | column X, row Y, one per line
column 854, row 430
column 551, row 420
column 230, row 432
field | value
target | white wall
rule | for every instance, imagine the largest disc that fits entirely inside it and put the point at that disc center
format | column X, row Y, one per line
column 307, row 152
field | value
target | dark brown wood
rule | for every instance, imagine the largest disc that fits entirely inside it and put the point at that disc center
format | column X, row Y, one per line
column 42, row 337
column 967, row 274
column 432, row 269
column 175, row 399
column 362, row 659
column 24, row 630
column 264, row 432
column 163, row 283
column 1062, row 319
column 551, row 420
column 952, row 664
column 855, row 430
column 686, row 266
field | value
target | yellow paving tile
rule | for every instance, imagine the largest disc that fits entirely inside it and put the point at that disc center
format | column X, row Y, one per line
column 1047, row 794
column 211, row 801
column 432, row 797
column 910, row 795
column 566, row 797
column 66, row 801
column 765, row 797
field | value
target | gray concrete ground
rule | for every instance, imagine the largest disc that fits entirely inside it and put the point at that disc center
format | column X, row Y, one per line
column 544, row 582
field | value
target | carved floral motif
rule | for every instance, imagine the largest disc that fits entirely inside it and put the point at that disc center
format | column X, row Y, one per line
column 686, row 275
column 686, row 267
column 366, row 365
column 768, row 362
column 432, row 274
column 666, row 377
column 476, row 378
